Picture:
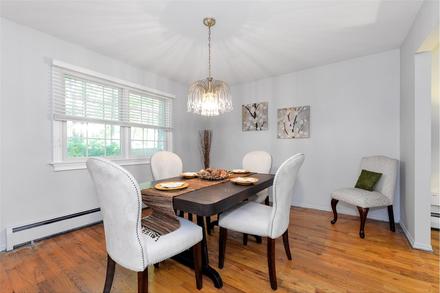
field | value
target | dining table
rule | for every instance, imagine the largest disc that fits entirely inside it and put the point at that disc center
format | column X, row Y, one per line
column 209, row 201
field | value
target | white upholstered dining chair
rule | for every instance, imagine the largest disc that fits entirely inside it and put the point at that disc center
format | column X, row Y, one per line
column 120, row 201
column 381, row 196
column 258, row 162
column 262, row 220
column 166, row 164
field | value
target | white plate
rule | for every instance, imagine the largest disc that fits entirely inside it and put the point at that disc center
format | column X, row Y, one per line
column 189, row 174
column 244, row 180
column 240, row 171
column 172, row 184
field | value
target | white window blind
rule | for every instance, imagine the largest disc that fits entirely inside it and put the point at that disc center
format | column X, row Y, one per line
column 77, row 96
column 96, row 115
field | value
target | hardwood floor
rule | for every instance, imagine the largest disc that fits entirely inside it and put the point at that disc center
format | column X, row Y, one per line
column 326, row 258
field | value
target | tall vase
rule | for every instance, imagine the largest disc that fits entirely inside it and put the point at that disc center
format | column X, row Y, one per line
column 205, row 146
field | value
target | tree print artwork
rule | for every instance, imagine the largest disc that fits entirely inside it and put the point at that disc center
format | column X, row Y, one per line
column 254, row 116
column 294, row 122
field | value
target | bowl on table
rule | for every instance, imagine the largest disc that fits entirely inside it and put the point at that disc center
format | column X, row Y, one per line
column 213, row 174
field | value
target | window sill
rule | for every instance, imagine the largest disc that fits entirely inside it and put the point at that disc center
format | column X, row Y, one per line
column 78, row 165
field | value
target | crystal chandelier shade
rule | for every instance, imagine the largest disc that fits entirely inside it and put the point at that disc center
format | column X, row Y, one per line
column 209, row 97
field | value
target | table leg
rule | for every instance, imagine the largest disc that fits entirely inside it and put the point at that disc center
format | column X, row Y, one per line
column 186, row 258
column 206, row 268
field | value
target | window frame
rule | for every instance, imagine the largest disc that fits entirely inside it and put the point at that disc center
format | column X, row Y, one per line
column 60, row 161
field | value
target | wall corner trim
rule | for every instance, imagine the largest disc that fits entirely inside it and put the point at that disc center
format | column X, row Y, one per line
column 412, row 242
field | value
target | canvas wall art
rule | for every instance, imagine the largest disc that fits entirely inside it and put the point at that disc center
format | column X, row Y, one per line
column 294, row 122
column 254, row 116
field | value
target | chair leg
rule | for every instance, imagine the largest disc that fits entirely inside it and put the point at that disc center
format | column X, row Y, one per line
column 271, row 262
column 222, row 247
column 245, row 239
column 143, row 281
column 190, row 217
column 181, row 214
column 266, row 201
column 156, row 265
column 363, row 215
column 197, row 253
column 335, row 213
column 286, row 244
column 258, row 239
column 391, row 217
column 109, row 274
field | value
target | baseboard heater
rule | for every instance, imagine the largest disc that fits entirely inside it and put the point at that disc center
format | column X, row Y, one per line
column 19, row 235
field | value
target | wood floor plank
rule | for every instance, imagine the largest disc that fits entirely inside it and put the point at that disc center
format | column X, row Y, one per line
column 326, row 258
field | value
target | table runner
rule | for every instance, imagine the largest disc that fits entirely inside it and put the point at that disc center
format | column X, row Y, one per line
column 163, row 219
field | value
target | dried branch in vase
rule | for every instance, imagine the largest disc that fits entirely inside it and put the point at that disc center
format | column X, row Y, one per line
column 205, row 146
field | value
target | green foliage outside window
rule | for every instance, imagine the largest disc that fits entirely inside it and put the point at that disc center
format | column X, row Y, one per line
column 92, row 140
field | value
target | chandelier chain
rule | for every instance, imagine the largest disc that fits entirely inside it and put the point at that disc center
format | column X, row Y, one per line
column 209, row 51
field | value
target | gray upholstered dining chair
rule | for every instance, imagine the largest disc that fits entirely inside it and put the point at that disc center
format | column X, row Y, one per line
column 382, row 196
column 262, row 220
column 120, row 201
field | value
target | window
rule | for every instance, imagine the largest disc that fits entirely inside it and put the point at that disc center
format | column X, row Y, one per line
column 92, row 140
column 99, row 116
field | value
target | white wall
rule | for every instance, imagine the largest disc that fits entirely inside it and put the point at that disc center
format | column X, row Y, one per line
column 354, row 113
column 435, row 124
column 31, row 190
column 412, row 203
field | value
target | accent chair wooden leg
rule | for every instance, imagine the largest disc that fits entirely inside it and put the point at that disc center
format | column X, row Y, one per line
column 109, row 274
column 335, row 213
column 391, row 217
column 143, row 281
column 197, row 253
column 271, row 262
column 245, row 239
column 258, row 239
column 266, row 201
column 222, row 247
column 286, row 244
column 363, row 212
column 156, row 265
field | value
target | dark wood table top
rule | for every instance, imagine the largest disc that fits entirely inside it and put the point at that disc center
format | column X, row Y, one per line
column 215, row 199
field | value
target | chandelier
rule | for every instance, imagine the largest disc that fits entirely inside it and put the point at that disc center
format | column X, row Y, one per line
column 209, row 97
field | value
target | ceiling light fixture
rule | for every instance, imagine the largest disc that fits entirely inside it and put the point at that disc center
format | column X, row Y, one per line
column 209, row 97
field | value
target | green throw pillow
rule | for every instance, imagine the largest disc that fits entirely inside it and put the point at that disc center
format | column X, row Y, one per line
column 367, row 180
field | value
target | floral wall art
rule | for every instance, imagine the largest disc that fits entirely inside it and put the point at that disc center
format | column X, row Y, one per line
column 254, row 116
column 294, row 122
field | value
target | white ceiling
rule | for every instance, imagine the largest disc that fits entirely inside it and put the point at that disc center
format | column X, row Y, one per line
column 251, row 40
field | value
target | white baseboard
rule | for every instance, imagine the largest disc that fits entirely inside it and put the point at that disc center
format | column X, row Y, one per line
column 412, row 242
